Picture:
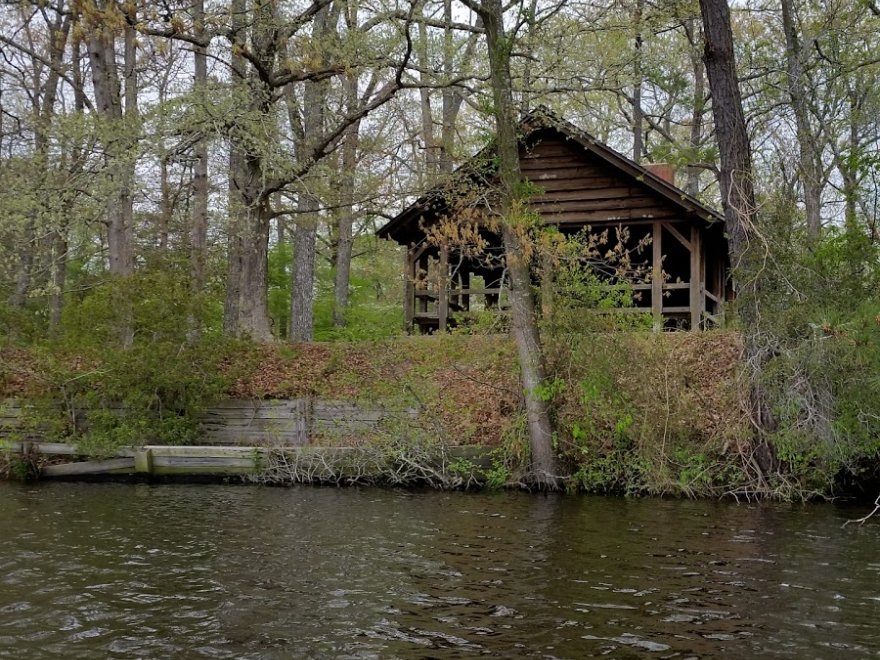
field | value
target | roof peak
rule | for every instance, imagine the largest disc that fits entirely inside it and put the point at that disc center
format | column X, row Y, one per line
column 542, row 117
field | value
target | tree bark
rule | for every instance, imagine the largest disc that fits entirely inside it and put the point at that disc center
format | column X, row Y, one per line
column 740, row 209
column 121, row 122
column 44, row 109
column 198, row 231
column 237, row 208
column 543, row 470
column 302, row 294
column 638, row 114
column 427, row 115
column 737, row 187
column 246, row 311
column 692, row 186
column 809, row 163
column 345, row 223
column 59, row 238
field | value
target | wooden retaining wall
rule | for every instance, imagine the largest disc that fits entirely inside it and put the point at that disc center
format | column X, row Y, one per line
column 208, row 461
column 292, row 422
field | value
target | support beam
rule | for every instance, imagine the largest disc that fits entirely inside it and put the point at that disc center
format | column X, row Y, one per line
column 697, row 291
column 421, row 273
column 657, row 275
column 443, row 289
column 409, row 288
column 465, row 300
column 668, row 226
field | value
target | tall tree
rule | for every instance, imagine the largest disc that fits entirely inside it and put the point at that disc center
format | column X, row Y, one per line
column 43, row 107
column 637, row 111
column 345, row 214
column 305, row 232
column 740, row 208
column 116, row 103
column 809, row 164
column 198, row 233
column 499, row 43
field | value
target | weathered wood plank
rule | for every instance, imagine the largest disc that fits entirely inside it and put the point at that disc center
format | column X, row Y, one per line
column 581, row 218
column 608, row 192
column 573, row 182
column 255, row 404
column 203, row 463
column 47, row 448
column 109, row 466
column 290, row 422
column 443, row 300
column 597, row 205
column 697, row 300
column 266, row 412
column 576, row 171
column 676, row 234
column 409, row 276
column 657, row 275
column 163, row 451
column 239, row 439
column 276, row 424
column 538, row 160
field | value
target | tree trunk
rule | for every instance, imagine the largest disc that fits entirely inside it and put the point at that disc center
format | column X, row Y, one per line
column 59, row 279
column 253, row 304
column 737, row 188
column 198, row 230
column 44, row 109
column 638, row 114
column 692, row 187
column 427, row 115
column 529, row 52
column 809, row 163
column 236, row 172
column 302, row 292
column 302, row 295
column 25, row 265
column 59, row 239
column 543, row 472
column 166, row 205
column 740, row 210
column 122, row 124
column 246, row 310
column 342, row 273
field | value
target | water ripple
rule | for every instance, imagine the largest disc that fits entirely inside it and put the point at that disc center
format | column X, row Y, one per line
column 229, row 572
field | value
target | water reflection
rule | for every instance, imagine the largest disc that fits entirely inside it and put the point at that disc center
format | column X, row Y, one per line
column 107, row 570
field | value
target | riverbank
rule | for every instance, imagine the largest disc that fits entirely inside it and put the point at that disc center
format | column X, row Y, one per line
column 634, row 413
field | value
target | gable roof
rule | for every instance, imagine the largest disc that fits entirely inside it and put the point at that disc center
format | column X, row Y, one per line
column 543, row 119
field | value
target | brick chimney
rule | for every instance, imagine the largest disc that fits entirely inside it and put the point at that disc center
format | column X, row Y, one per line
column 665, row 171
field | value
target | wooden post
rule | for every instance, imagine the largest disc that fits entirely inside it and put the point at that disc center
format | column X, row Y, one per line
column 409, row 289
column 657, row 276
column 422, row 268
column 443, row 290
column 697, row 297
column 143, row 461
column 465, row 300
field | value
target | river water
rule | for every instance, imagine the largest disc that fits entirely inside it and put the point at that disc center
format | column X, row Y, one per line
column 120, row 570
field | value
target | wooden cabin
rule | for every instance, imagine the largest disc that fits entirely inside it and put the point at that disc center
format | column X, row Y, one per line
column 577, row 183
